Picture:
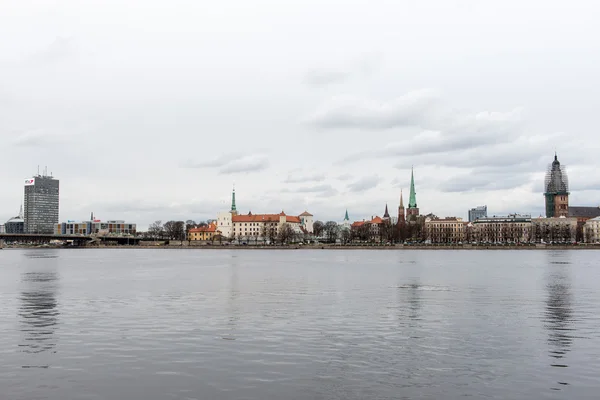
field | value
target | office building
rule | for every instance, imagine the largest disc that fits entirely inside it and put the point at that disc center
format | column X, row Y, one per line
column 95, row 227
column 41, row 204
column 15, row 224
column 477, row 212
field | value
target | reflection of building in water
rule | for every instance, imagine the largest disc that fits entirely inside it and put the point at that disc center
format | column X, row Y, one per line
column 38, row 311
column 558, row 316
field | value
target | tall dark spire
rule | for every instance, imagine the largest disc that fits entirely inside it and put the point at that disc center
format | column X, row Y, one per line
column 346, row 218
column 412, row 201
column 386, row 214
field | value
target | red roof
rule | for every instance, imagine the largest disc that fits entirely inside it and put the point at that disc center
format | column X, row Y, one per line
column 264, row 218
column 377, row 220
column 210, row 228
column 306, row 214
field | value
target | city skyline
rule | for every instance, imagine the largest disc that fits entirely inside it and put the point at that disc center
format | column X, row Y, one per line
column 156, row 115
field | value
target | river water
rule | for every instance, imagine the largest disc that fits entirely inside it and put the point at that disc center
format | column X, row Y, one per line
column 254, row 324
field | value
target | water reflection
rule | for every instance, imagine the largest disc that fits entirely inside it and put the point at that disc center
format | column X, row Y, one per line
column 411, row 295
column 38, row 310
column 558, row 315
column 233, row 308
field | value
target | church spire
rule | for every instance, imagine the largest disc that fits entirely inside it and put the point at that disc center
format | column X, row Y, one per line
column 412, row 202
column 386, row 214
column 401, row 200
column 346, row 218
column 233, row 209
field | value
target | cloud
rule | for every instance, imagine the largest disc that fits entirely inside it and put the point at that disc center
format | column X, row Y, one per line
column 316, row 188
column 469, row 182
column 364, row 183
column 344, row 177
column 324, row 77
column 246, row 164
column 411, row 109
column 363, row 66
column 318, row 177
column 233, row 163
column 59, row 49
column 42, row 138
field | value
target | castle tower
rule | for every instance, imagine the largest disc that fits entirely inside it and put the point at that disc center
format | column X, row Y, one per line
column 556, row 190
column 412, row 211
column 233, row 208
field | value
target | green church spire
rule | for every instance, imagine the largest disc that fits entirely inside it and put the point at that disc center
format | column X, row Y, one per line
column 412, row 202
column 346, row 216
column 233, row 200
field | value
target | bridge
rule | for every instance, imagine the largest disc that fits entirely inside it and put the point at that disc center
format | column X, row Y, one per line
column 78, row 240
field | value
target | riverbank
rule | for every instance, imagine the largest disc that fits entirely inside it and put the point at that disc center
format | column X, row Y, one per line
column 180, row 246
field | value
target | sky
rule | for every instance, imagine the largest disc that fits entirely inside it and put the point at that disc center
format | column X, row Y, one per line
column 153, row 110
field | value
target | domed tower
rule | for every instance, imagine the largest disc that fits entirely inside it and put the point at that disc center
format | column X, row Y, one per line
column 556, row 190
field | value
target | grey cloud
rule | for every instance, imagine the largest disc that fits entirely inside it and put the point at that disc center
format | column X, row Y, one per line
column 363, row 66
column 323, row 77
column 245, row 164
column 478, row 182
column 233, row 163
column 411, row 109
column 364, row 183
column 304, row 178
column 344, row 177
column 315, row 188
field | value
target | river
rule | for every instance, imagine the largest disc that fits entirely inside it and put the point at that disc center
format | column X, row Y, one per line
column 299, row 324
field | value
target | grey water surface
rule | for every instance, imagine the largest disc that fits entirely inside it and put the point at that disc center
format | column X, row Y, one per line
column 253, row 324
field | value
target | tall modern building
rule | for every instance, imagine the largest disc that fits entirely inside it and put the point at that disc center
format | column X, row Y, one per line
column 41, row 204
column 556, row 190
column 477, row 212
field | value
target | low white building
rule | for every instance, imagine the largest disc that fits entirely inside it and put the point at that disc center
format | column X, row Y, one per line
column 591, row 230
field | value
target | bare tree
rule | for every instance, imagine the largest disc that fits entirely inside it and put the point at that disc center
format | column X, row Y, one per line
column 331, row 231
column 264, row 232
column 318, row 228
column 345, row 235
column 272, row 233
column 156, row 230
column 175, row 230
column 286, row 233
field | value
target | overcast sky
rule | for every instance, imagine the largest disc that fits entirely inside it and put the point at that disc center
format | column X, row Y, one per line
column 151, row 110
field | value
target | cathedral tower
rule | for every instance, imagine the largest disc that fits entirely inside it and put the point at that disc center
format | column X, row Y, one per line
column 556, row 190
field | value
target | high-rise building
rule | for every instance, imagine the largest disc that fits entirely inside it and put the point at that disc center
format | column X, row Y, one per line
column 412, row 211
column 556, row 190
column 41, row 204
column 477, row 212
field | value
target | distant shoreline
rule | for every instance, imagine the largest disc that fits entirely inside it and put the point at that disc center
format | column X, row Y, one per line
column 323, row 247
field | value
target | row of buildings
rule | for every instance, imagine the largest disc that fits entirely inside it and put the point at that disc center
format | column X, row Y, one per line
column 39, row 213
column 561, row 223
column 233, row 225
